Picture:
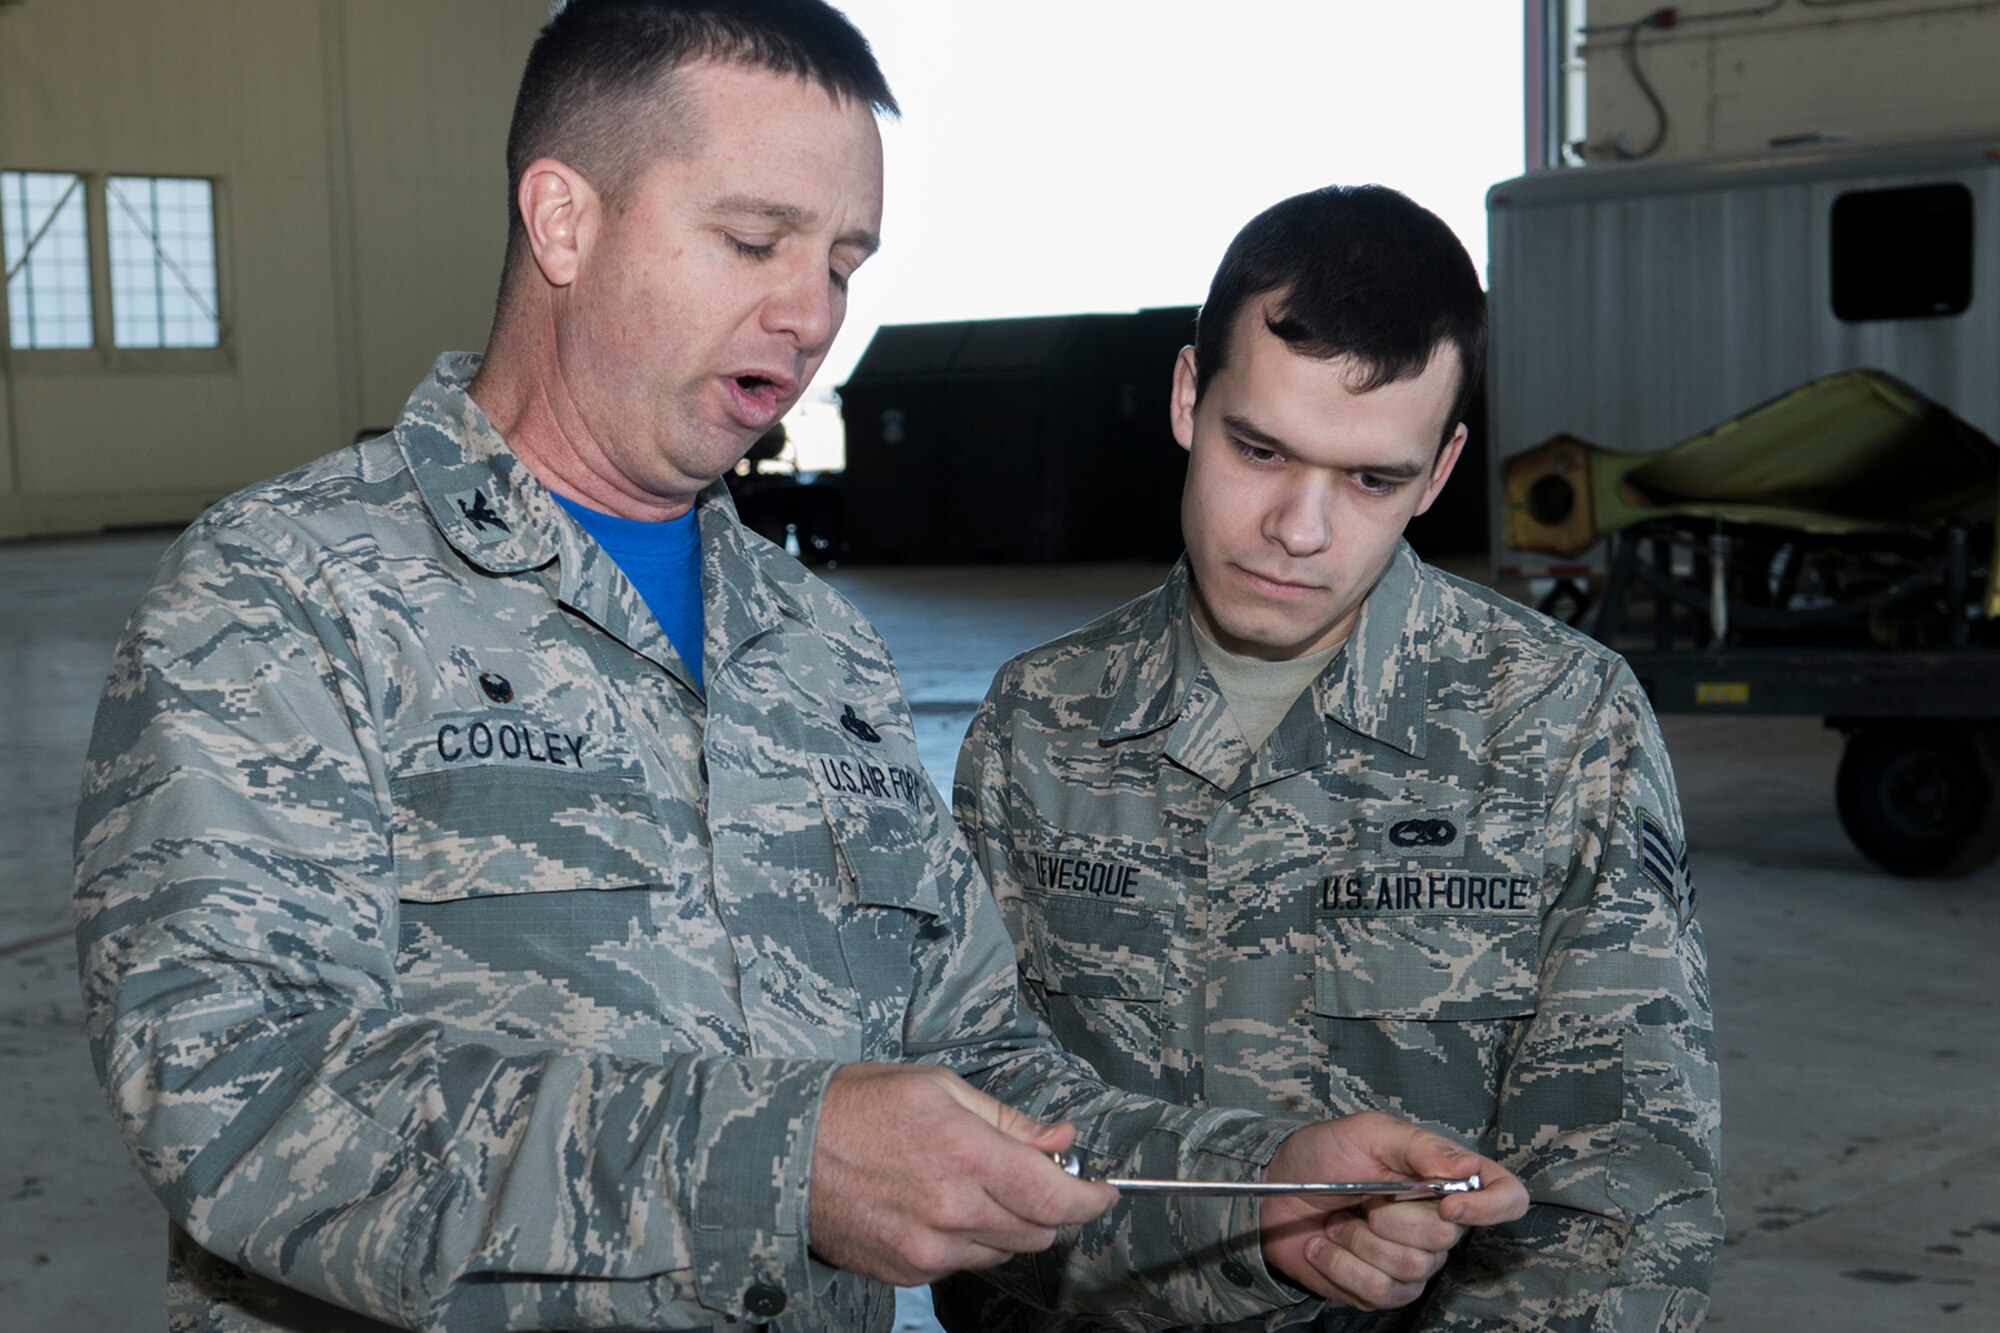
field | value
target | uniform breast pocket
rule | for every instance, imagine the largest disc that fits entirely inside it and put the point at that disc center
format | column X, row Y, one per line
column 486, row 832
column 1101, row 968
column 1416, row 1014
column 527, row 909
column 888, row 906
column 1425, row 967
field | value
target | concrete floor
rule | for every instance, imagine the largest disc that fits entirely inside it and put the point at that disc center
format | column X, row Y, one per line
column 1859, row 1015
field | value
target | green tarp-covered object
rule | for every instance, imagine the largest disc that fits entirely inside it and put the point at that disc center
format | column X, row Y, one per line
column 1852, row 453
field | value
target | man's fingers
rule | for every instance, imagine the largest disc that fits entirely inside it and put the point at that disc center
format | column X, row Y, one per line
column 1500, row 1198
column 1038, row 1191
column 927, row 1266
column 1373, row 1261
column 1322, row 1245
column 1028, row 1185
column 1414, row 1223
column 1014, row 1124
column 1017, row 1213
column 1436, row 1157
column 976, row 1255
column 915, row 1173
column 1372, row 1240
column 1348, row 1278
column 1370, row 1145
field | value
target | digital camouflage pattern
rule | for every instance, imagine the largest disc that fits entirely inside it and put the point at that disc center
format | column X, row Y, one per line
column 1451, row 885
column 451, row 961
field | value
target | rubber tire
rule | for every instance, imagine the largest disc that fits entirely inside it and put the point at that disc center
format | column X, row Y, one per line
column 1922, row 799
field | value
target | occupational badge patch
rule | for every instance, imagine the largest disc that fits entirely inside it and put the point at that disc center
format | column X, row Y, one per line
column 1430, row 833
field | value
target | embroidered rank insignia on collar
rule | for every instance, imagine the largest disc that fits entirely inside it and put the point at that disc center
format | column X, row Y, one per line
column 479, row 512
column 1664, row 863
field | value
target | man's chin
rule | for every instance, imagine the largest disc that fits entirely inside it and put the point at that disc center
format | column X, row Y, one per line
column 1267, row 642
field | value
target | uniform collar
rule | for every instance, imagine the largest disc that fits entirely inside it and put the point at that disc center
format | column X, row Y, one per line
column 1149, row 686
column 482, row 497
column 1378, row 686
column 497, row 514
column 749, row 586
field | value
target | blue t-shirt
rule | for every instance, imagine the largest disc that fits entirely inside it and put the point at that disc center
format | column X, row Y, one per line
column 663, row 560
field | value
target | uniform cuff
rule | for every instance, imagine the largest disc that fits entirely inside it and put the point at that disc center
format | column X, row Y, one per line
column 1201, row 1259
column 748, row 1171
column 1240, row 1150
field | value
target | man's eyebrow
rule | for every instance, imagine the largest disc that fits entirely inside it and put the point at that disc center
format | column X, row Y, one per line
column 763, row 208
column 1245, row 429
column 1250, row 433
column 746, row 204
column 1394, row 471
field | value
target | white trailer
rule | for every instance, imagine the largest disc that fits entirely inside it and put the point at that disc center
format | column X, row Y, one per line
column 1636, row 305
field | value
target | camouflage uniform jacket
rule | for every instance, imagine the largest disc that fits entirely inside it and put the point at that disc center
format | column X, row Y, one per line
column 1451, row 885
column 451, row 961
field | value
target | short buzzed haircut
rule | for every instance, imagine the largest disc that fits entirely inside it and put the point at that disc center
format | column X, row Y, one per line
column 1358, row 271
column 598, row 93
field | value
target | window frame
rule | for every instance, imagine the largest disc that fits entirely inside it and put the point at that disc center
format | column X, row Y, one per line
column 104, row 355
column 60, row 359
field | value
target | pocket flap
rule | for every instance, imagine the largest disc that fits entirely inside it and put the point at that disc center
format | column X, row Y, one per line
column 1093, row 948
column 1423, row 967
column 880, row 837
column 481, row 832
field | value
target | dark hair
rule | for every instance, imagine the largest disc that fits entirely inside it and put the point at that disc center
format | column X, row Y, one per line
column 597, row 62
column 1360, row 271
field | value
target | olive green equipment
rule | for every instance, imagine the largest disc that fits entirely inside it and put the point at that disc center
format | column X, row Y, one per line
column 1845, row 456
column 1825, row 553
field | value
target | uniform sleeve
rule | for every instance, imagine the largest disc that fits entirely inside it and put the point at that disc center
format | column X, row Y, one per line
column 1610, row 1103
column 238, row 929
column 1149, row 1262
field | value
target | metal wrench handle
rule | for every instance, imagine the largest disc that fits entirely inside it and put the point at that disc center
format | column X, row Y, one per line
column 1416, row 1188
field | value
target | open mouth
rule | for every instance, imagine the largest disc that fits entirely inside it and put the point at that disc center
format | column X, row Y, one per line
column 757, row 398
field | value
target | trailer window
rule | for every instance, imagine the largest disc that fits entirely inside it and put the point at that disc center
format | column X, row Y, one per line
column 1902, row 254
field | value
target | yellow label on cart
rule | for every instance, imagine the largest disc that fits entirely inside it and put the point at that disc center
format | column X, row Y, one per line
column 1722, row 692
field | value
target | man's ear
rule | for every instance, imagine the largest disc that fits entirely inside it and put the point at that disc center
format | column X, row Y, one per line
column 1182, row 408
column 1446, row 460
column 559, row 211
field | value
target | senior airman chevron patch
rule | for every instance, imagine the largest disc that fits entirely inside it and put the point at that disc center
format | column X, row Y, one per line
column 1665, row 863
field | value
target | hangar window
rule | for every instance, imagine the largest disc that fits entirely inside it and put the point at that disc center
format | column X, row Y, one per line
column 45, row 240
column 163, row 286
column 1902, row 254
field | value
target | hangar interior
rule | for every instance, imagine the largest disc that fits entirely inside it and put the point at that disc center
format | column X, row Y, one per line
column 237, row 231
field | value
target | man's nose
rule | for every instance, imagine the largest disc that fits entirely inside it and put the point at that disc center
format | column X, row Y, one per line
column 804, row 307
column 1301, row 522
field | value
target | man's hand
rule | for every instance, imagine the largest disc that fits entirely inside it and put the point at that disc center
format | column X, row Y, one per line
column 1374, row 1254
column 916, row 1174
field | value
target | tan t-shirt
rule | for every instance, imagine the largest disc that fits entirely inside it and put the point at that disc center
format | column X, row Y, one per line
column 1259, row 693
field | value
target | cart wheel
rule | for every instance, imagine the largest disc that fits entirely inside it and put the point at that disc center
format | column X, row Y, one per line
column 1922, row 799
